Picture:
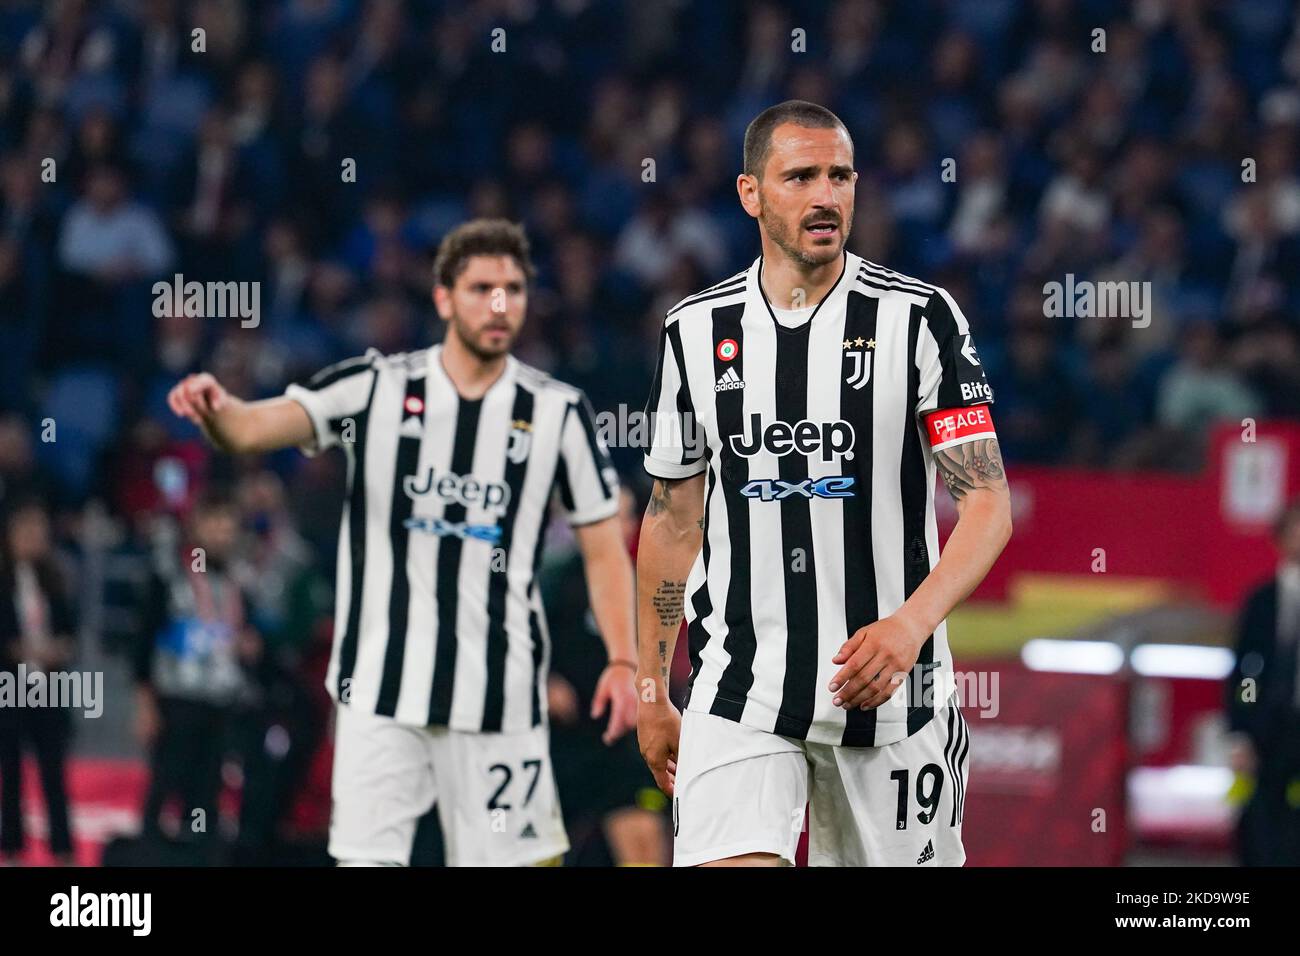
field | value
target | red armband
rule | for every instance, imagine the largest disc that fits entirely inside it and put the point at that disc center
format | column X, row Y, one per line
column 952, row 426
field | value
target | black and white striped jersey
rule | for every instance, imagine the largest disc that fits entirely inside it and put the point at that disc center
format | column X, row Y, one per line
column 819, row 504
column 438, row 618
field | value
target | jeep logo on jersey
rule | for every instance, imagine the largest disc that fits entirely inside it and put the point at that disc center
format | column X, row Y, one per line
column 492, row 496
column 803, row 438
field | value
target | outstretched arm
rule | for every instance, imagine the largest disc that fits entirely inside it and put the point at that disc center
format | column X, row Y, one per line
column 235, row 426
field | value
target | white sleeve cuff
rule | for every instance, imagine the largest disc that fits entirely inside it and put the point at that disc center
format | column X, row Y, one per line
column 606, row 509
column 307, row 399
column 669, row 470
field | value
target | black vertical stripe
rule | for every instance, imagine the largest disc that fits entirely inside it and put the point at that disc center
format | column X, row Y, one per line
column 740, row 644
column 357, row 547
column 799, row 686
column 539, row 657
column 599, row 457
column 448, row 573
column 562, row 481
column 534, row 621
column 685, row 409
column 916, row 553
column 399, row 596
column 961, row 762
column 656, row 387
column 857, row 408
column 696, row 636
column 948, row 753
column 498, row 578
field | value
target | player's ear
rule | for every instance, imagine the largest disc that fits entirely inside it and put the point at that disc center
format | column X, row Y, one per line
column 442, row 301
column 747, row 189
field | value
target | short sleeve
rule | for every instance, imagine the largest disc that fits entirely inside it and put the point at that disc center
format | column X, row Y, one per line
column 587, row 481
column 953, row 395
column 672, row 451
column 333, row 396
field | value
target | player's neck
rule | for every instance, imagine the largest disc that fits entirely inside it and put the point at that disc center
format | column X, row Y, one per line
column 470, row 375
column 792, row 285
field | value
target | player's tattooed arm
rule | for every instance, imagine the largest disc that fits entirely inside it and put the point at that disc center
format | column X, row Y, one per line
column 661, row 496
column 669, row 543
column 971, row 465
column 975, row 476
column 668, row 602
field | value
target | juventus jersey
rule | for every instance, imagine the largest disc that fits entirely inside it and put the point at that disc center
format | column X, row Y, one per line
column 438, row 618
column 819, row 506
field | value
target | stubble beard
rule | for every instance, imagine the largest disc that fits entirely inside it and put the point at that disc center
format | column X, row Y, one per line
column 476, row 350
column 777, row 231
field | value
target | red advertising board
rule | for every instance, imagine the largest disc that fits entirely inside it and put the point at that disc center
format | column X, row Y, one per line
column 1047, row 768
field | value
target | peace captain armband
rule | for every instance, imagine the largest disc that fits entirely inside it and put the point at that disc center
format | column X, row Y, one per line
column 953, row 426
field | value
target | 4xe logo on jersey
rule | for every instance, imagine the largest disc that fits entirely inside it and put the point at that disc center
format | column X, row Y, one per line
column 803, row 438
column 774, row 489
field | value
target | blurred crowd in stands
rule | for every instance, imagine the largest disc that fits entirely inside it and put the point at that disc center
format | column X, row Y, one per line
column 229, row 165
column 321, row 148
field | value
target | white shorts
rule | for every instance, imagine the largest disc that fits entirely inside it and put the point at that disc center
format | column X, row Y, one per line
column 495, row 793
column 741, row 790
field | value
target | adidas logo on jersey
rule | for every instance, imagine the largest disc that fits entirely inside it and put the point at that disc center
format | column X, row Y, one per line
column 728, row 380
column 528, row 833
column 927, row 854
column 411, row 427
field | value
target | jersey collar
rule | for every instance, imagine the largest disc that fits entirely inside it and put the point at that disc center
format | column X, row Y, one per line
column 838, row 291
column 438, row 373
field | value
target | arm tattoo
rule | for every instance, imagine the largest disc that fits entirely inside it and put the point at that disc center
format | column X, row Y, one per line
column 972, row 464
column 661, row 497
column 663, row 661
column 667, row 602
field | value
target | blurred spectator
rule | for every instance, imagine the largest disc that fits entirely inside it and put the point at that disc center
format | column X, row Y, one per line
column 1202, row 389
column 1038, row 404
column 193, row 663
column 279, row 734
column 38, row 630
column 650, row 244
column 1263, row 702
column 109, row 238
column 19, row 475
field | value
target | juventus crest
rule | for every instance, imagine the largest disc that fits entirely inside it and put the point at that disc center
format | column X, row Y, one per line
column 521, row 440
column 857, row 361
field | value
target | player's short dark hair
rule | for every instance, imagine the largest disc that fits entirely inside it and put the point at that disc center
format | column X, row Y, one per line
column 481, row 237
column 758, row 135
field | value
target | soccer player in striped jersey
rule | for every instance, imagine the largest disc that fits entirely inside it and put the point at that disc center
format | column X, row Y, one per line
column 440, row 644
column 799, row 413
